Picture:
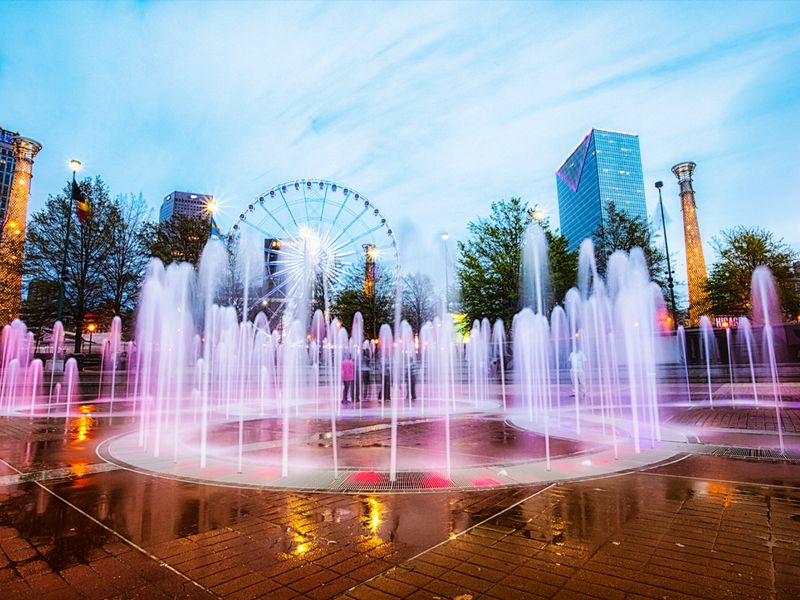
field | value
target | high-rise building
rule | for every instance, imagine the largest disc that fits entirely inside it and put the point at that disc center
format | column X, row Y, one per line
column 186, row 204
column 695, row 260
column 605, row 167
column 16, row 164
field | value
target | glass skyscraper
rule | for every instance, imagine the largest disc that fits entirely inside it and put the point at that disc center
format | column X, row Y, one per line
column 605, row 167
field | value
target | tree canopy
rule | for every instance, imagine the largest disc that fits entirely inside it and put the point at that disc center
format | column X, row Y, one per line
column 620, row 231
column 489, row 268
column 105, row 257
column 179, row 239
column 419, row 300
column 376, row 304
column 740, row 250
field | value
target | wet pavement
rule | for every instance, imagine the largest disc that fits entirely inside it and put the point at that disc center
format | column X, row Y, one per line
column 72, row 526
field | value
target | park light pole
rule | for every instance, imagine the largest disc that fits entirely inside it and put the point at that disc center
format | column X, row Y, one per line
column 75, row 165
column 212, row 206
column 91, row 328
column 445, row 237
column 670, row 282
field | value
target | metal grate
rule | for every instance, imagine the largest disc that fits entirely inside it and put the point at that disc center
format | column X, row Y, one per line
column 757, row 453
column 370, row 481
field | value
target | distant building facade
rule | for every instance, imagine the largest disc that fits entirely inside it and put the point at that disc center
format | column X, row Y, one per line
column 605, row 167
column 16, row 166
column 185, row 204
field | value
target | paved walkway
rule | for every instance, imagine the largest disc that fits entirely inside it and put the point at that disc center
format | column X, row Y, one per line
column 73, row 527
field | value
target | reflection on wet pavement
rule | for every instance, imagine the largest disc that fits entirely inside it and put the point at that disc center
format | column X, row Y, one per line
column 635, row 535
column 73, row 526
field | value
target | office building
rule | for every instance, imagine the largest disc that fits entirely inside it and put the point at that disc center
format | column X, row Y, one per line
column 16, row 165
column 605, row 167
column 185, row 204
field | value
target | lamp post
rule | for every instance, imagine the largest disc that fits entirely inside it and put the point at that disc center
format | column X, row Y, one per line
column 212, row 206
column 91, row 327
column 670, row 283
column 445, row 237
column 75, row 165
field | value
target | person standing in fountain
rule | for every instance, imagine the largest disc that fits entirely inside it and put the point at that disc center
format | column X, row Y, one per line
column 348, row 375
column 576, row 370
column 413, row 372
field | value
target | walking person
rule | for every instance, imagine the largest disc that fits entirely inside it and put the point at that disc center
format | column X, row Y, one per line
column 348, row 375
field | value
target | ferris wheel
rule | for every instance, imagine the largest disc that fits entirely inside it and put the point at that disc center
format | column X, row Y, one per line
column 314, row 221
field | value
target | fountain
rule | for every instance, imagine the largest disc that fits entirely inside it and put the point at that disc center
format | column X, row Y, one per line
column 216, row 395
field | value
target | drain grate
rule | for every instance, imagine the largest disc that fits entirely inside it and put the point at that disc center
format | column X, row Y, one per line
column 762, row 453
column 370, row 481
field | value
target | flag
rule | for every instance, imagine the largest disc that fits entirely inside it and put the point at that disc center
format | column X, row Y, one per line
column 81, row 205
column 214, row 228
column 655, row 219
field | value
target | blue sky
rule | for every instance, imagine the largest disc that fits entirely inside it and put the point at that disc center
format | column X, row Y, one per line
column 430, row 110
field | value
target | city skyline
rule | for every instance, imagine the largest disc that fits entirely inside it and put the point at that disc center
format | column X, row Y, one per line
column 393, row 113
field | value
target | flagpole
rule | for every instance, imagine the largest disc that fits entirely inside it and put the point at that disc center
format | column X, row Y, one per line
column 74, row 165
column 670, row 283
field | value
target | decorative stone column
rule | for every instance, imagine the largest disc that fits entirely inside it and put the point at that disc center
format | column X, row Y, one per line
column 12, row 242
column 695, row 260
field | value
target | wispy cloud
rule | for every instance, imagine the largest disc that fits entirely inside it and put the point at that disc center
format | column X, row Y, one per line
column 432, row 110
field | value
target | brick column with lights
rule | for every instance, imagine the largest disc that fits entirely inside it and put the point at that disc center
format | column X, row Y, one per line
column 12, row 242
column 695, row 260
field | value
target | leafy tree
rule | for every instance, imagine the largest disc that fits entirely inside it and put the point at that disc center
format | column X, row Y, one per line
column 489, row 263
column 740, row 250
column 128, row 257
column 489, row 268
column 563, row 263
column 620, row 231
column 376, row 305
column 419, row 300
column 90, row 247
column 180, row 239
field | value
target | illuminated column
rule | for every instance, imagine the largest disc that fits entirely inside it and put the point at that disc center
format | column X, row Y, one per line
column 370, row 253
column 695, row 261
column 12, row 242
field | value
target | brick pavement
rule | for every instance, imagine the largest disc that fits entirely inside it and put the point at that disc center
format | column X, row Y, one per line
column 632, row 536
column 678, row 531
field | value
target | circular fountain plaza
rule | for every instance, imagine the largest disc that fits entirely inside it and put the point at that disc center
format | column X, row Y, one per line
column 580, row 390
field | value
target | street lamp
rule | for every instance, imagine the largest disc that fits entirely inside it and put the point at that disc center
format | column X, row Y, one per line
column 445, row 237
column 212, row 206
column 91, row 328
column 75, row 166
column 670, row 283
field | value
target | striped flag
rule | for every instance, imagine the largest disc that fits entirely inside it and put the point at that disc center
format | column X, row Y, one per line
column 214, row 228
column 82, row 206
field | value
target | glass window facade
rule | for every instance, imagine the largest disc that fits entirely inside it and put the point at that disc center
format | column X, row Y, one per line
column 605, row 167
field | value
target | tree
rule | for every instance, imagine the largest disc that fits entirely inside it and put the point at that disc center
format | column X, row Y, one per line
column 619, row 231
column 563, row 263
column 128, row 257
column 740, row 250
column 419, row 300
column 489, row 263
column 376, row 305
column 489, row 267
column 88, row 253
column 180, row 239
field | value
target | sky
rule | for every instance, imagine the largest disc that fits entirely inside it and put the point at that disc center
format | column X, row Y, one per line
column 431, row 110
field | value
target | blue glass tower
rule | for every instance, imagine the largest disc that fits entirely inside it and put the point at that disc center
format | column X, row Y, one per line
column 605, row 167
